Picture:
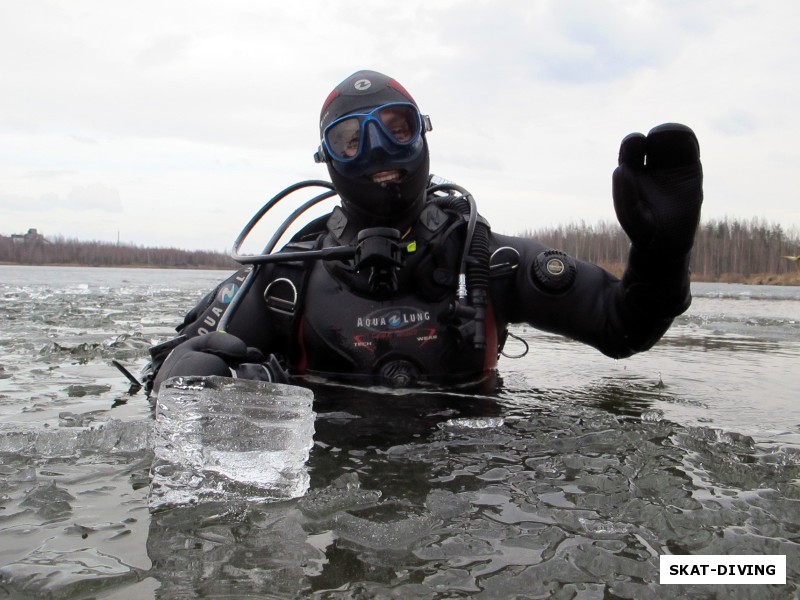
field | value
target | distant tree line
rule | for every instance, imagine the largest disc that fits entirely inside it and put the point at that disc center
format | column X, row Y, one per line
column 60, row 251
column 723, row 248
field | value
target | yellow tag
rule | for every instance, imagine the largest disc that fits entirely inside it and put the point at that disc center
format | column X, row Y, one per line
column 412, row 247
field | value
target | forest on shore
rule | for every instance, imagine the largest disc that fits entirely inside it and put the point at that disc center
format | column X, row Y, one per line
column 35, row 249
column 728, row 251
column 731, row 251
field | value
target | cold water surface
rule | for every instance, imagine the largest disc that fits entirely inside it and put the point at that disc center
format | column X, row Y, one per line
column 567, row 481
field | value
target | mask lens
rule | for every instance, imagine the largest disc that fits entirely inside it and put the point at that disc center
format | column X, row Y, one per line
column 400, row 122
column 343, row 137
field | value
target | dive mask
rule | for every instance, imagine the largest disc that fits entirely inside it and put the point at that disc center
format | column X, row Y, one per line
column 396, row 128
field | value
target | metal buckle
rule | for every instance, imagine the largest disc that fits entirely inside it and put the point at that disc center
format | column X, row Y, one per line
column 283, row 298
column 503, row 261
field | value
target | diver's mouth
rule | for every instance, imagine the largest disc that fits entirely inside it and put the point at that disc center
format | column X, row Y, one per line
column 393, row 176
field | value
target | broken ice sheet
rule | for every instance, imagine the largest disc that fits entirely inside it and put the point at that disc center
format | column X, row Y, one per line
column 52, row 573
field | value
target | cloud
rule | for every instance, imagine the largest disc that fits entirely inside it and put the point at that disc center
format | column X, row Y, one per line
column 92, row 197
column 50, row 174
column 163, row 49
column 82, row 139
column 574, row 42
column 95, row 196
column 174, row 108
column 735, row 123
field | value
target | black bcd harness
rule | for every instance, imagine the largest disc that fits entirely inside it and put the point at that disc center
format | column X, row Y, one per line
column 284, row 282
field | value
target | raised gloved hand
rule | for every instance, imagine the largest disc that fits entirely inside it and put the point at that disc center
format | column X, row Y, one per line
column 658, row 191
column 221, row 354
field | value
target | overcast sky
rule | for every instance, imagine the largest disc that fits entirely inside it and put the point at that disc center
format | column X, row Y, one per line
column 170, row 123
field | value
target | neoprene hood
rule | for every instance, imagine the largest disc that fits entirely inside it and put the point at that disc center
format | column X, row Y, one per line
column 367, row 203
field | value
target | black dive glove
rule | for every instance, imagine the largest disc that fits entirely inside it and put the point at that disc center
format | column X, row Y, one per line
column 658, row 192
column 221, row 354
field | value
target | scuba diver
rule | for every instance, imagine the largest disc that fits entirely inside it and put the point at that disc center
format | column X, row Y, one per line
column 404, row 284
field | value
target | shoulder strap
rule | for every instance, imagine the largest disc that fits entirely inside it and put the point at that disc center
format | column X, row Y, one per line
column 205, row 317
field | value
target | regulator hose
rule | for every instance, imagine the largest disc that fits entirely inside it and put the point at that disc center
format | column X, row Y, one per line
column 474, row 270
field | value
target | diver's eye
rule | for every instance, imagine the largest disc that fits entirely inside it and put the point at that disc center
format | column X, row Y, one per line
column 397, row 122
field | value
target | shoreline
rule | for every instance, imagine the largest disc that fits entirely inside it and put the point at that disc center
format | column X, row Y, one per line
column 127, row 266
column 787, row 279
column 783, row 279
